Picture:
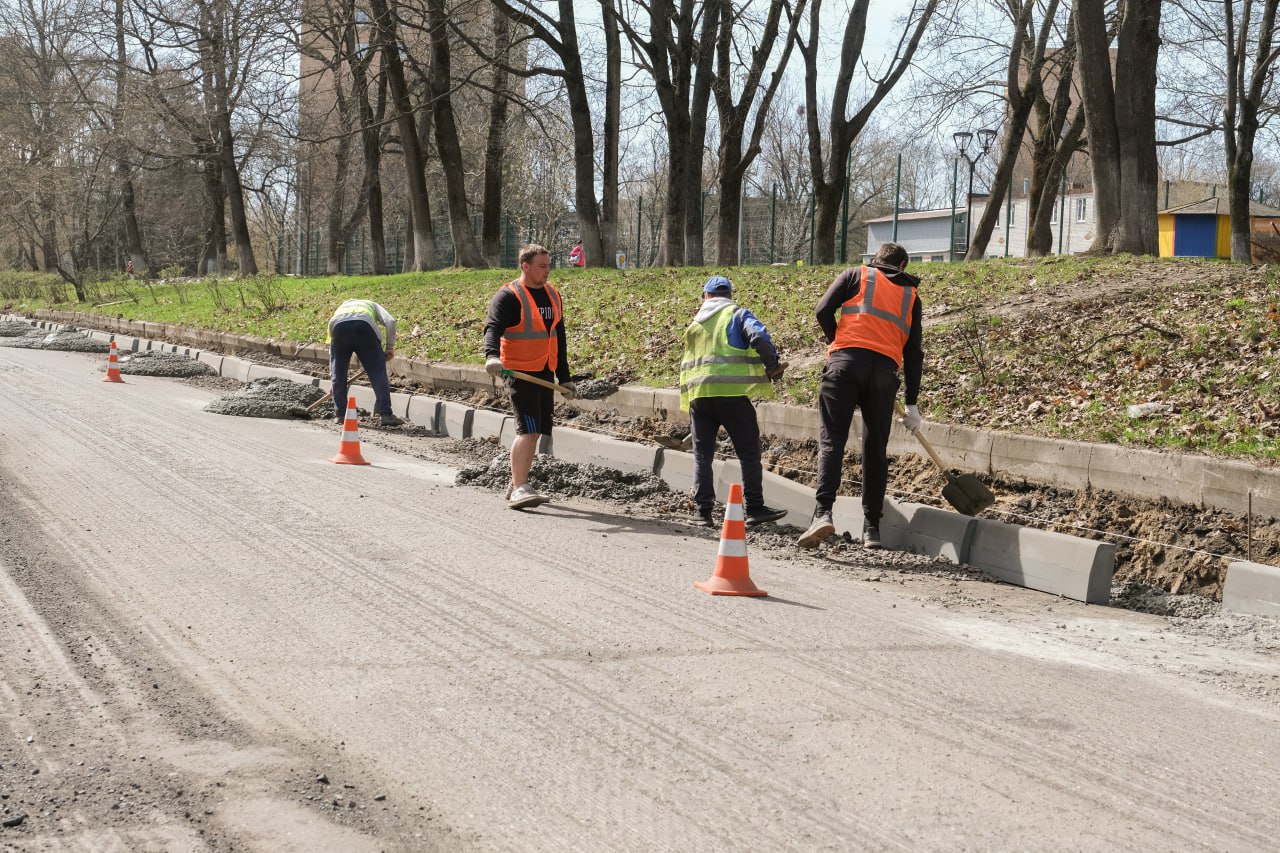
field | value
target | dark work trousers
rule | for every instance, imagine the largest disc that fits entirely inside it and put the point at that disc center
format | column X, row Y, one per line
column 357, row 336
column 853, row 380
column 738, row 417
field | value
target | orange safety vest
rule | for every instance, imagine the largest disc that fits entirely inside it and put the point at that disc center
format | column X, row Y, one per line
column 531, row 344
column 877, row 318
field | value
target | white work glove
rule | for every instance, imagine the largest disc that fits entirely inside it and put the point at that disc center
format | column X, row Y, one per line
column 569, row 390
column 493, row 367
column 912, row 420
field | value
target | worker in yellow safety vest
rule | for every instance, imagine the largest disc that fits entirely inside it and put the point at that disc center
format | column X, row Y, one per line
column 728, row 359
column 870, row 316
column 354, row 328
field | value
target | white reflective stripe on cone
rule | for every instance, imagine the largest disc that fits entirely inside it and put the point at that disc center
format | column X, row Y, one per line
column 734, row 512
column 733, row 548
column 350, row 437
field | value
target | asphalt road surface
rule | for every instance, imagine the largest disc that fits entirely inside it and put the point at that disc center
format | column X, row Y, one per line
column 210, row 638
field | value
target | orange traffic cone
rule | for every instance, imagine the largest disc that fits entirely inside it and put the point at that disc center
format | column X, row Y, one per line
column 349, row 452
column 732, row 576
column 113, row 365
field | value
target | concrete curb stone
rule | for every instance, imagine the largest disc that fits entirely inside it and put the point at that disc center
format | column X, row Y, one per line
column 1252, row 588
column 400, row 404
column 927, row 530
column 486, row 423
column 425, row 411
column 1039, row 559
column 455, row 419
column 234, row 368
column 575, row 445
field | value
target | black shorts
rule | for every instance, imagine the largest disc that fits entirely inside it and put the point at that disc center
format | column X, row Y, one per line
column 532, row 404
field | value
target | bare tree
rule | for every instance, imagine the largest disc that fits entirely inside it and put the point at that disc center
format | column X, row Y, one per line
column 1023, row 81
column 735, row 161
column 1121, row 121
column 423, row 245
column 827, row 158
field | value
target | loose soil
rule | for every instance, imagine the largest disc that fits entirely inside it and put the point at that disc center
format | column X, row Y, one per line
column 269, row 398
column 162, row 364
column 64, row 340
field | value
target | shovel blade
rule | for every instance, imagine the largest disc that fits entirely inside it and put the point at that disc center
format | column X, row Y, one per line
column 967, row 494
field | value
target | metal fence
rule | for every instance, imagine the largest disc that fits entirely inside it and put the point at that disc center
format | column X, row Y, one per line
column 773, row 229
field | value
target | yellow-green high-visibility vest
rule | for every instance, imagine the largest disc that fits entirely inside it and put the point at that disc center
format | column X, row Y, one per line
column 355, row 308
column 712, row 367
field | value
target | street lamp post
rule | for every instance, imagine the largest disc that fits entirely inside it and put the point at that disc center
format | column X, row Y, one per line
column 985, row 137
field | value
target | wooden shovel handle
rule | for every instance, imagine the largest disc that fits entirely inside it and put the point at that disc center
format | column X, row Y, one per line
column 535, row 380
column 924, row 442
column 359, row 374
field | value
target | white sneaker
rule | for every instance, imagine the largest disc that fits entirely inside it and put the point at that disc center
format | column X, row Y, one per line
column 525, row 497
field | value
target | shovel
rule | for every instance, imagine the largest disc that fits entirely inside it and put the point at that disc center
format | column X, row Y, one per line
column 327, row 397
column 516, row 374
column 965, row 492
column 672, row 443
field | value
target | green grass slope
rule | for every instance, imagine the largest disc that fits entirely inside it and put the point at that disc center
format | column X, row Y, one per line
column 1055, row 347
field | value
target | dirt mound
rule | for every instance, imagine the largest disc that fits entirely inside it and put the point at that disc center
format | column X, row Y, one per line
column 1149, row 599
column 562, row 479
column 267, row 398
column 15, row 328
column 65, row 340
column 162, row 364
column 595, row 389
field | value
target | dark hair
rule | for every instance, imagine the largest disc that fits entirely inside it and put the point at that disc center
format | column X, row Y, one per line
column 531, row 251
column 892, row 255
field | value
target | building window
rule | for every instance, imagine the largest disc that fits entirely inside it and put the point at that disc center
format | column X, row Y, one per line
column 936, row 258
column 362, row 17
column 1082, row 209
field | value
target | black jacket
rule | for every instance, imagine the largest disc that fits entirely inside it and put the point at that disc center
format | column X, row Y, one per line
column 848, row 285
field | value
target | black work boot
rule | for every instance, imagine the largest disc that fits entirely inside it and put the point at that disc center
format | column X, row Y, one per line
column 871, row 536
column 705, row 517
column 763, row 514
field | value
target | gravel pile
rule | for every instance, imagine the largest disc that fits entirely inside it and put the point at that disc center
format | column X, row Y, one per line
column 162, row 364
column 268, row 398
column 562, row 479
column 14, row 328
column 62, row 341
column 595, row 389
column 1151, row 599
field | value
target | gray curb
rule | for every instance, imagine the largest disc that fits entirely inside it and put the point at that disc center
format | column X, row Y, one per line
column 1252, row 588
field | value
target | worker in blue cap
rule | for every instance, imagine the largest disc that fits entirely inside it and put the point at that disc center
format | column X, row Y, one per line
column 728, row 359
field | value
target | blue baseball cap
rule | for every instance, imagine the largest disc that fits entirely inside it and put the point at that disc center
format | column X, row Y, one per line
column 718, row 285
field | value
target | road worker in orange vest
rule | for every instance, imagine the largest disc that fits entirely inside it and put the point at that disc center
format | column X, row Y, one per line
column 524, row 331
column 870, row 316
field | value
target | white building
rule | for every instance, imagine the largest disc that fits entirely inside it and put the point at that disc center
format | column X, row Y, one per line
column 925, row 233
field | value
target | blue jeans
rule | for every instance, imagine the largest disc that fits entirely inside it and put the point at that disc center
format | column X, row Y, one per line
column 357, row 336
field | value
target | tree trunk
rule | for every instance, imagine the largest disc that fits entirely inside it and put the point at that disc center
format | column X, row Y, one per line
column 235, row 199
column 371, row 149
column 124, row 171
column 496, row 143
column 465, row 251
column 213, row 257
column 697, row 141
column 1121, row 122
column 422, row 254
column 335, row 236
column 1026, row 58
column 610, row 143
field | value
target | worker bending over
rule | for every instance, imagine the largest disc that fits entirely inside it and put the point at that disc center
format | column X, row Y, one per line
column 870, row 317
column 728, row 358
column 353, row 328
